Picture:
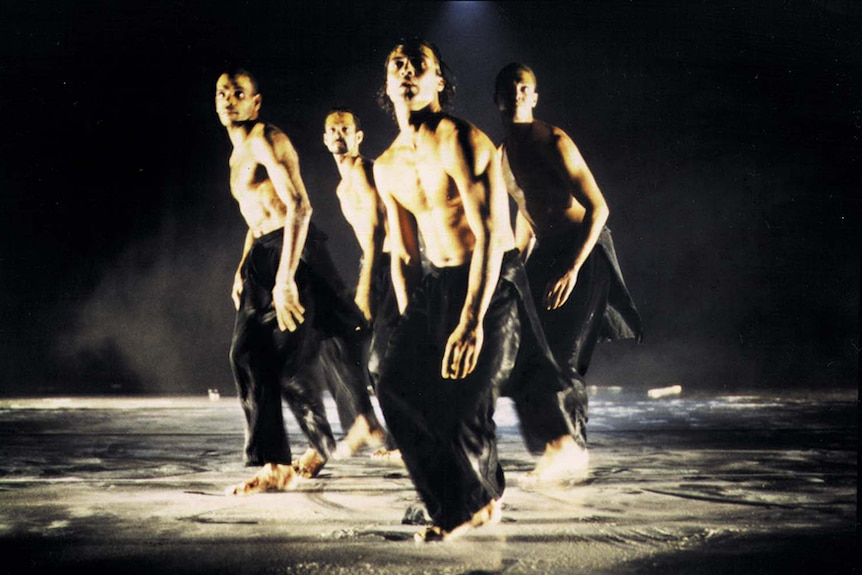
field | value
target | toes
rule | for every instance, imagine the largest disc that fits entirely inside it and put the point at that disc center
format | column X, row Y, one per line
column 429, row 535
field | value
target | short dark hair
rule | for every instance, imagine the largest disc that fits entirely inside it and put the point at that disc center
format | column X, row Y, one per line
column 447, row 96
column 509, row 73
column 233, row 70
column 344, row 110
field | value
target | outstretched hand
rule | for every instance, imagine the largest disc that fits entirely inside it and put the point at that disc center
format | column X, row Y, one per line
column 288, row 309
column 462, row 352
column 557, row 292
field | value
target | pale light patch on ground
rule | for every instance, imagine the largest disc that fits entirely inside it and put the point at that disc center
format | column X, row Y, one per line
column 705, row 484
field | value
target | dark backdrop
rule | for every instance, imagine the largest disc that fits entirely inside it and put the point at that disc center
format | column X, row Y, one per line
column 725, row 136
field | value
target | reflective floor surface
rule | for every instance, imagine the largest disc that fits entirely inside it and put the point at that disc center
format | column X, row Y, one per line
column 764, row 482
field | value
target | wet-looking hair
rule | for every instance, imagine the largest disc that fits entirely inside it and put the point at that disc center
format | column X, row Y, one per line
column 509, row 74
column 415, row 44
column 343, row 110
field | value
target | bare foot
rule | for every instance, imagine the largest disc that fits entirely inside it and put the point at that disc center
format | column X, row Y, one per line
column 358, row 436
column 271, row 477
column 491, row 514
column 389, row 456
column 310, row 464
column 563, row 460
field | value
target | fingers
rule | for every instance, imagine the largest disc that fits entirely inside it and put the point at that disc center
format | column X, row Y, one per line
column 451, row 360
column 290, row 317
column 289, row 312
column 364, row 307
column 366, row 313
column 558, row 293
column 470, row 359
column 448, row 357
column 554, row 297
column 460, row 358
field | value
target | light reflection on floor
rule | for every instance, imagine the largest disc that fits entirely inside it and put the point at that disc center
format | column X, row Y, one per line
column 695, row 483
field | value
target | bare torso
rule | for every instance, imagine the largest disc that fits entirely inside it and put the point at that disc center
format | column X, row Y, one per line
column 412, row 171
column 252, row 188
column 544, row 189
column 357, row 197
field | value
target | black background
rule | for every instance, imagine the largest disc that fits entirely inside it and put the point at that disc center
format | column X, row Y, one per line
column 724, row 135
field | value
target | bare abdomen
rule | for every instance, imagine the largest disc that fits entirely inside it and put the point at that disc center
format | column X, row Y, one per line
column 262, row 210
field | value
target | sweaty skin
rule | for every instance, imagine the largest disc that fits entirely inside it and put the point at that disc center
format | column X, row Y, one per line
column 440, row 177
column 358, row 197
column 551, row 183
column 266, row 183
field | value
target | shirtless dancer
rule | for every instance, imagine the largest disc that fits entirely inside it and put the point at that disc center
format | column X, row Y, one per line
column 460, row 330
column 361, row 206
column 579, row 290
column 284, row 303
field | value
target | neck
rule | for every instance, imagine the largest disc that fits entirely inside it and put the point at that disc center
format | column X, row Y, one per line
column 239, row 132
column 412, row 120
column 515, row 125
column 344, row 162
column 518, row 118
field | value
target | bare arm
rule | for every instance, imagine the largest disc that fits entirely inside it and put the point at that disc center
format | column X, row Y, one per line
column 587, row 193
column 403, row 243
column 236, row 292
column 473, row 164
column 370, row 234
column 585, row 190
column 276, row 153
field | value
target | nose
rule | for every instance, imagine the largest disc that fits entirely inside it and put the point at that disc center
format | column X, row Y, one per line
column 407, row 69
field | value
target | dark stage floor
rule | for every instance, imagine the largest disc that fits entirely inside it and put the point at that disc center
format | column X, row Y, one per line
column 756, row 483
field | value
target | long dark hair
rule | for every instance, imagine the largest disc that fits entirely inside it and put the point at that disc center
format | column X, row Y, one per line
column 415, row 44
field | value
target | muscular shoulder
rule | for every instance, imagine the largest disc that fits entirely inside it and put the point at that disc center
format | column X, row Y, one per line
column 361, row 175
column 559, row 137
column 550, row 141
column 394, row 155
column 459, row 140
column 363, row 164
column 453, row 130
column 383, row 167
column 266, row 138
column 385, row 159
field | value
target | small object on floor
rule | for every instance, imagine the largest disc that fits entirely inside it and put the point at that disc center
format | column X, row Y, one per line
column 660, row 392
column 416, row 515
